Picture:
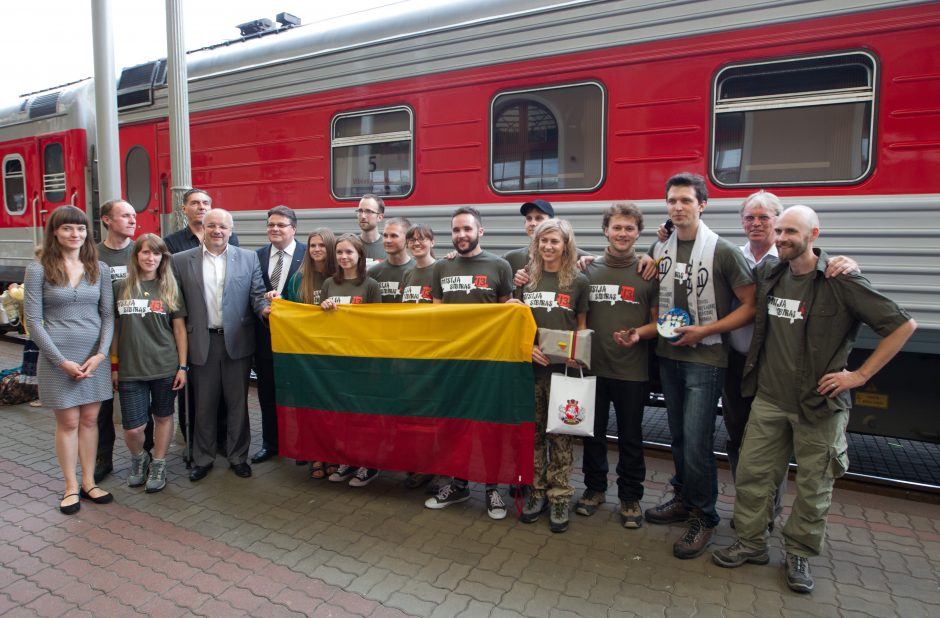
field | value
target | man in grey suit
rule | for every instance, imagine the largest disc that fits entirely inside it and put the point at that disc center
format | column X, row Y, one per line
column 224, row 291
column 279, row 259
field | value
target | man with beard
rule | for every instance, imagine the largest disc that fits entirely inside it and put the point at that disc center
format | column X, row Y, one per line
column 391, row 273
column 806, row 321
column 370, row 211
column 474, row 276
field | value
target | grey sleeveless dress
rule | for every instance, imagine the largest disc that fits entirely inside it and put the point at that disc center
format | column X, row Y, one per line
column 70, row 324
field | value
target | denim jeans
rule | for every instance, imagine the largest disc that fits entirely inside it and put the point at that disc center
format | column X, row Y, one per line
column 692, row 391
column 629, row 399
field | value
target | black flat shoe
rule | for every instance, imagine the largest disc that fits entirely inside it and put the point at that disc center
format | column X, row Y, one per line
column 105, row 498
column 199, row 472
column 70, row 509
column 242, row 469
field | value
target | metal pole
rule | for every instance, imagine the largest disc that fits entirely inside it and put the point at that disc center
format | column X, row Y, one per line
column 109, row 166
column 177, row 86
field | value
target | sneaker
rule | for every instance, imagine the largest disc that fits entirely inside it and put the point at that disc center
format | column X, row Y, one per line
column 558, row 516
column 799, row 577
column 669, row 512
column 447, row 495
column 139, row 465
column 693, row 543
column 156, row 480
column 436, row 484
column 495, row 507
column 737, row 554
column 103, row 467
column 342, row 474
column 535, row 505
column 363, row 477
column 589, row 503
column 417, row 479
column 630, row 514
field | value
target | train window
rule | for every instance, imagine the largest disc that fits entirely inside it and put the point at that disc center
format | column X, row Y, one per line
column 53, row 172
column 14, row 185
column 548, row 139
column 372, row 152
column 797, row 121
column 137, row 178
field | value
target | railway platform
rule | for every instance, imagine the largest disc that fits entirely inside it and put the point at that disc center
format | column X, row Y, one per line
column 280, row 544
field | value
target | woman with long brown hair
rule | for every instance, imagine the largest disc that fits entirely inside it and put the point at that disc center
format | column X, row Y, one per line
column 70, row 314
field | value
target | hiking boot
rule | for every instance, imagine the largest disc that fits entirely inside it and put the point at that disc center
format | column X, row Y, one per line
column 495, row 507
column 342, row 474
column 669, row 512
column 139, row 465
column 630, row 514
column 363, row 477
column 103, row 467
column 156, row 480
column 589, row 503
column 737, row 554
column 697, row 537
column 535, row 505
column 799, row 577
column 447, row 495
column 558, row 516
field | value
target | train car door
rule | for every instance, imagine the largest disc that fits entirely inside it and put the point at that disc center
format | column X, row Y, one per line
column 139, row 173
column 52, row 167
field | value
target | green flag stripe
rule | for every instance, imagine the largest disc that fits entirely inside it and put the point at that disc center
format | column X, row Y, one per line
column 499, row 392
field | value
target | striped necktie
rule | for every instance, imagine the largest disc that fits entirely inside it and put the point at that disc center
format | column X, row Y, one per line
column 278, row 266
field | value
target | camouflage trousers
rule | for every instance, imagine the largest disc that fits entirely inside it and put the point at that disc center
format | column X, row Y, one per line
column 553, row 452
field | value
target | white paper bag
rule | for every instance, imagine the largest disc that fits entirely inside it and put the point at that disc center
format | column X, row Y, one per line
column 571, row 405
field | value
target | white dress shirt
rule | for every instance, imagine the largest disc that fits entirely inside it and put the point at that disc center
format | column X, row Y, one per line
column 213, row 284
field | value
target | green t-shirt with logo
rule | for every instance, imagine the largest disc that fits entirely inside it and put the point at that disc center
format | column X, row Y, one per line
column 416, row 285
column 730, row 271
column 483, row 278
column 620, row 299
column 555, row 308
column 390, row 277
column 778, row 378
column 146, row 346
column 348, row 293
column 374, row 251
column 117, row 259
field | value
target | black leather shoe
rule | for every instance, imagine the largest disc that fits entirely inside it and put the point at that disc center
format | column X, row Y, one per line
column 263, row 455
column 242, row 469
column 103, row 467
column 199, row 472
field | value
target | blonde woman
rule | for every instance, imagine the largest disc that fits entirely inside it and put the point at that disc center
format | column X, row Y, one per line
column 150, row 350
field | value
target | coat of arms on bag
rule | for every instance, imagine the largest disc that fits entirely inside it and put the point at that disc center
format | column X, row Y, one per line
column 571, row 412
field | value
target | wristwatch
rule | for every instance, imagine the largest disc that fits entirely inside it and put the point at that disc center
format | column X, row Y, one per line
column 183, row 368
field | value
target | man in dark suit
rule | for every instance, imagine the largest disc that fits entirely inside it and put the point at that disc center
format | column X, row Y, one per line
column 224, row 291
column 279, row 261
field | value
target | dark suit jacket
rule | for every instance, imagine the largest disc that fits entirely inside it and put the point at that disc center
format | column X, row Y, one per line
column 242, row 302
column 263, row 330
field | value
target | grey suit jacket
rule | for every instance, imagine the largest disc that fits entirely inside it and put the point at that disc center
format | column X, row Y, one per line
column 242, row 302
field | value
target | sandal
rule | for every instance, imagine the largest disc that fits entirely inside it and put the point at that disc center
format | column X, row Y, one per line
column 104, row 498
column 70, row 509
column 329, row 469
column 317, row 470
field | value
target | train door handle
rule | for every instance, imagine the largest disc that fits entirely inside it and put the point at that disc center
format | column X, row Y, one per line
column 74, row 195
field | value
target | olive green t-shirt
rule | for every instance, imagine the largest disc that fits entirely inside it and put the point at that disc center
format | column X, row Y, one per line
column 146, row 345
column 483, row 278
column 416, row 285
column 730, row 271
column 116, row 259
column 390, row 277
column 374, row 252
column 555, row 308
column 778, row 378
column 348, row 293
column 620, row 299
column 292, row 289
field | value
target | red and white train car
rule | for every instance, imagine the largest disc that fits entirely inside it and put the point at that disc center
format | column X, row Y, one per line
column 831, row 103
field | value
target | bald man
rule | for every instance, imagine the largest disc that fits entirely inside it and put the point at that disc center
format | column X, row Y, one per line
column 804, row 330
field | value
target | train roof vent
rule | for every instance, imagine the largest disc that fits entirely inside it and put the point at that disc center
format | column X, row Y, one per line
column 135, row 87
column 44, row 105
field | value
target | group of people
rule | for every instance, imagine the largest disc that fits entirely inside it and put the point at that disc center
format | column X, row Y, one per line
column 771, row 327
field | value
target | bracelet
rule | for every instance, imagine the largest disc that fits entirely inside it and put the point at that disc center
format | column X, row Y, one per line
column 183, row 368
column 114, row 359
column 114, row 366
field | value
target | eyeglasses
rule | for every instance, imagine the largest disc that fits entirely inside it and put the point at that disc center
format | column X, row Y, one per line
column 362, row 212
column 279, row 226
column 415, row 241
column 752, row 218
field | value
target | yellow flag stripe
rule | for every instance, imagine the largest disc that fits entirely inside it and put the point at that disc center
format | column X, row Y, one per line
column 455, row 332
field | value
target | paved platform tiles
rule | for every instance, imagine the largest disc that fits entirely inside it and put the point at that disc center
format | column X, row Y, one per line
column 281, row 544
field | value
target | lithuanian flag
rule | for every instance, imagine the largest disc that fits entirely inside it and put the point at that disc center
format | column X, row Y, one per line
column 441, row 389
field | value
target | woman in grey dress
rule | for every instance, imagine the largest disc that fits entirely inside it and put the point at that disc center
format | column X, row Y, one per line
column 70, row 316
